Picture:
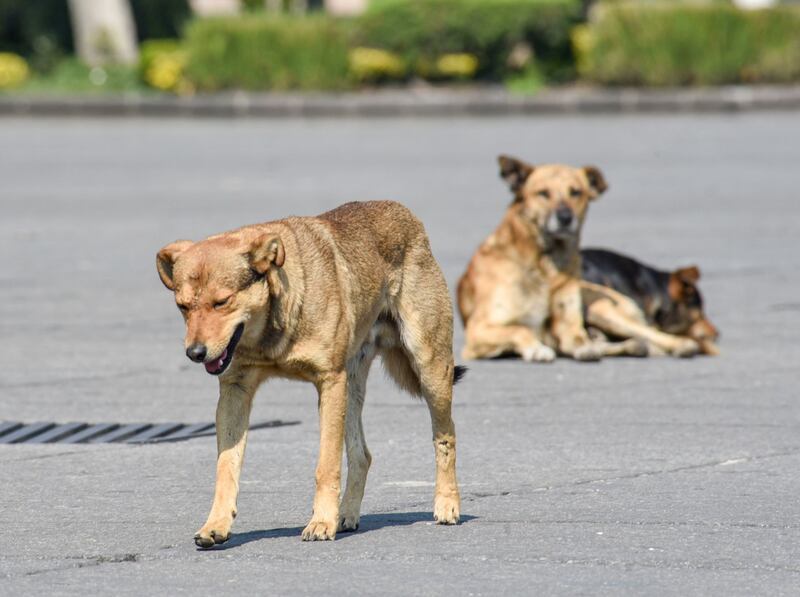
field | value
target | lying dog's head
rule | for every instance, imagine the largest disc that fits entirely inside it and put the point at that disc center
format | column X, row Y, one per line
column 221, row 287
column 683, row 312
column 553, row 198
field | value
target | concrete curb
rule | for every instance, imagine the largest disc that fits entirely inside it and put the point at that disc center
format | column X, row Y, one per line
column 410, row 102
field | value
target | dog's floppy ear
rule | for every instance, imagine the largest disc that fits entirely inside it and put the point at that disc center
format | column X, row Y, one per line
column 266, row 250
column 515, row 172
column 688, row 274
column 680, row 280
column 165, row 260
column 597, row 182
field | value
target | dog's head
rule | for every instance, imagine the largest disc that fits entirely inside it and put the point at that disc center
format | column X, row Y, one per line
column 553, row 198
column 683, row 313
column 221, row 287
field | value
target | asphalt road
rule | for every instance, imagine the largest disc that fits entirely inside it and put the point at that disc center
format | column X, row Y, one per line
column 628, row 477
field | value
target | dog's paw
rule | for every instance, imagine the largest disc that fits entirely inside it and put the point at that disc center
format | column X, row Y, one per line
column 318, row 530
column 539, row 353
column 446, row 509
column 348, row 523
column 636, row 348
column 212, row 534
column 587, row 353
column 685, row 348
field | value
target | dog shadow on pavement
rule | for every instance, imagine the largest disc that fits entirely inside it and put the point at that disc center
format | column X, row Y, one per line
column 369, row 522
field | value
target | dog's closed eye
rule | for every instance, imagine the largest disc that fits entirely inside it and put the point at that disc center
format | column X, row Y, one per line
column 222, row 302
column 544, row 193
column 573, row 192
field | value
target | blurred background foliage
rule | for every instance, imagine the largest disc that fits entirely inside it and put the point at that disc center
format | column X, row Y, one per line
column 674, row 44
column 523, row 44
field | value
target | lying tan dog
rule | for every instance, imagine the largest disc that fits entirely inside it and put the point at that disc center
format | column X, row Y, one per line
column 625, row 298
column 316, row 299
column 521, row 293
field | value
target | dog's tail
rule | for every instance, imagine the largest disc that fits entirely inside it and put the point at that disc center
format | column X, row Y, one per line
column 459, row 371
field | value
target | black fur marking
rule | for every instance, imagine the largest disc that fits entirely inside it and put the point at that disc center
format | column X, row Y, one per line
column 459, row 371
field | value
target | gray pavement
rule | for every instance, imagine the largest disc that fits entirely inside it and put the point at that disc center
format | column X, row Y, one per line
column 670, row 477
column 420, row 100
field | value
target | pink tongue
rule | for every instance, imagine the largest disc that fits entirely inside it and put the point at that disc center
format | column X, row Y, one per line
column 215, row 366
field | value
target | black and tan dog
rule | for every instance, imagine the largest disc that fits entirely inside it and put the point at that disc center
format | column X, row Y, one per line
column 625, row 298
column 521, row 293
column 316, row 299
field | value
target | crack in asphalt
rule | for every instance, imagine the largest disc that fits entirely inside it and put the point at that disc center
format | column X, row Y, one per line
column 44, row 456
column 679, row 469
column 649, row 523
column 521, row 490
column 86, row 562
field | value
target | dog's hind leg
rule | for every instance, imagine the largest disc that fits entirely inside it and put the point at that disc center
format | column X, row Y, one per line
column 632, row 347
column 437, row 388
column 425, row 323
column 606, row 315
column 358, row 456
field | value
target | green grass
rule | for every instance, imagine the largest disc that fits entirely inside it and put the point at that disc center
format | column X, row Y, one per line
column 530, row 82
column 73, row 77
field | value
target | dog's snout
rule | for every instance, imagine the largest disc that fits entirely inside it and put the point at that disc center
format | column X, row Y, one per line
column 704, row 330
column 197, row 352
column 564, row 215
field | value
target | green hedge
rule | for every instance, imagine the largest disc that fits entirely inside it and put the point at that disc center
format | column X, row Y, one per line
column 421, row 30
column 686, row 44
column 267, row 52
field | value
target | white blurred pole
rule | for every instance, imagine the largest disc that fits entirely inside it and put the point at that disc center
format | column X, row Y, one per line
column 345, row 7
column 104, row 31
column 754, row 4
column 208, row 8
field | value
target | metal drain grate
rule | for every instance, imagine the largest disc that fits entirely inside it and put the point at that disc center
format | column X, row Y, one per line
column 12, row 432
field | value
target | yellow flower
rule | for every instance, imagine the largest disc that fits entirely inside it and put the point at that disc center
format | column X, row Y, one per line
column 369, row 64
column 14, row 70
column 166, row 71
column 582, row 45
column 460, row 66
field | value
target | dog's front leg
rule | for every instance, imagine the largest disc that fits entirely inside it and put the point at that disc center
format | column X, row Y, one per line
column 332, row 413
column 568, row 326
column 233, row 419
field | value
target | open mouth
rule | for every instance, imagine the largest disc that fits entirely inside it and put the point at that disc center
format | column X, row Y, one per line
column 220, row 364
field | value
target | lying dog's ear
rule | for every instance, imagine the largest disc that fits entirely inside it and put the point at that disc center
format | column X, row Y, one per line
column 681, row 282
column 689, row 274
column 165, row 260
column 597, row 182
column 515, row 172
column 266, row 250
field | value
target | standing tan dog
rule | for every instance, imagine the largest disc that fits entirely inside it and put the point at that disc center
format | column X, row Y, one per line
column 521, row 293
column 316, row 299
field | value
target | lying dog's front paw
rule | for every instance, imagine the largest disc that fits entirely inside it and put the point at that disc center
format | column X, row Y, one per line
column 685, row 348
column 539, row 354
column 636, row 348
column 212, row 534
column 446, row 509
column 318, row 530
column 588, row 352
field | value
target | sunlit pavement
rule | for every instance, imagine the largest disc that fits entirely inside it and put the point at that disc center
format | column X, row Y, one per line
column 625, row 477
